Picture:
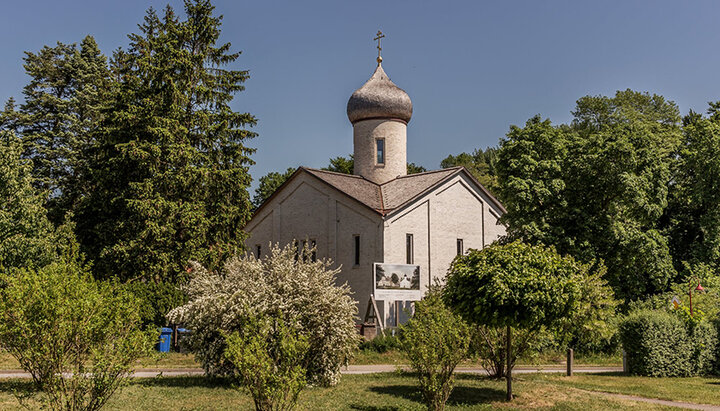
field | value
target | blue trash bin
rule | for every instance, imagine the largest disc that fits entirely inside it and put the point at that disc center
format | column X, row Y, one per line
column 163, row 344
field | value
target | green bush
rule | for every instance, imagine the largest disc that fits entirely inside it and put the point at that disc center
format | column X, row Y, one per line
column 270, row 358
column 657, row 344
column 704, row 342
column 382, row 343
column 59, row 320
column 435, row 341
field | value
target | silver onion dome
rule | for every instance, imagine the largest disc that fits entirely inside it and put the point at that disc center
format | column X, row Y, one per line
column 379, row 98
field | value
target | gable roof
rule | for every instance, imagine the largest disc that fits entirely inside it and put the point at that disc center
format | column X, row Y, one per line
column 387, row 197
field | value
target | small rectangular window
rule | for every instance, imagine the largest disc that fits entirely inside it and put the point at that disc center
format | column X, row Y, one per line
column 409, row 248
column 313, row 255
column 380, row 150
column 258, row 250
column 357, row 249
column 460, row 249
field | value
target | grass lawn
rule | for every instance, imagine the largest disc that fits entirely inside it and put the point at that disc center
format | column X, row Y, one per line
column 363, row 357
column 696, row 389
column 374, row 392
column 368, row 357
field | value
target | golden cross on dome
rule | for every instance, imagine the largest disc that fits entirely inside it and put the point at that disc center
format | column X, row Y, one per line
column 380, row 35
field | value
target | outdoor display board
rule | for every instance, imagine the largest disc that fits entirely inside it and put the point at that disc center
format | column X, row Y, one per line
column 396, row 282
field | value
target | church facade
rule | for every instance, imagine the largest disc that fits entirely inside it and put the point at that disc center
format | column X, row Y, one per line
column 380, row 214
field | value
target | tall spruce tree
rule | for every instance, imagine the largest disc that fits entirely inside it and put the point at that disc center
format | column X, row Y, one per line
column 170, row 167
column 26, row 235
column 59, row 117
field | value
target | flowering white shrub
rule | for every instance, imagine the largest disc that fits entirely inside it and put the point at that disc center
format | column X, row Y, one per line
column 304, row 291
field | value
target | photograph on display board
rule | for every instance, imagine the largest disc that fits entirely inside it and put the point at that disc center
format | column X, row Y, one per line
column 397, row 277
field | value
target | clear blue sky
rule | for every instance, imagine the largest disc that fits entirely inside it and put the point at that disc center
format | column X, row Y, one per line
column 472, row 68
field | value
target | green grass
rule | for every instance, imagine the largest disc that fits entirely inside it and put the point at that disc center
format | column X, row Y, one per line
column 368, row 357
column 696, row 389
column 373, row 392
column 362, row 357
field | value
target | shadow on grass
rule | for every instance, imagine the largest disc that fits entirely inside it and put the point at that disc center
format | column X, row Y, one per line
column 372, row 408
column 461, row 395
column 609, row 374
column 185, row 382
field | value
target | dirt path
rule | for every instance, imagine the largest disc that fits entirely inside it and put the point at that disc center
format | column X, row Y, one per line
column 667, row 403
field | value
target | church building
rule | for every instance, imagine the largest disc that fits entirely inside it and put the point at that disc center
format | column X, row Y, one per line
column 380, row 214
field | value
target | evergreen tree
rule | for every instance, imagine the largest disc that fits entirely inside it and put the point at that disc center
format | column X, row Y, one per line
column 59, row 116
column 169, row 171
column 26, row 235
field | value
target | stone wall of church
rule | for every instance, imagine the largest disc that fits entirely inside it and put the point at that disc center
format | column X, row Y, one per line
column 394, row 132
column 308, row 209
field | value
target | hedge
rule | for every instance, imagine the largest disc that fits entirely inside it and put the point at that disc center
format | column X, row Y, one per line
column 659, row 344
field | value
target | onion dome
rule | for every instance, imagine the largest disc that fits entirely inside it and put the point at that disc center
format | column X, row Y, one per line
column 379, row 98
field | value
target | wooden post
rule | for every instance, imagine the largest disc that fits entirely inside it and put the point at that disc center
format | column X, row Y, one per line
column 570, row 360
column 625, row 365
column 508, row 367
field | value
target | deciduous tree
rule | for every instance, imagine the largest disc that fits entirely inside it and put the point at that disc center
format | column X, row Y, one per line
column 515, row 286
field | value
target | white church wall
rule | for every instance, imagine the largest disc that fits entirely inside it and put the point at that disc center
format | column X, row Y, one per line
column 456, row 213
column 412, row 220
column 353, row 221
column 307, row 208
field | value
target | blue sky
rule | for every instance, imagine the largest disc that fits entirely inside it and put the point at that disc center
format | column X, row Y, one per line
column 472, row 68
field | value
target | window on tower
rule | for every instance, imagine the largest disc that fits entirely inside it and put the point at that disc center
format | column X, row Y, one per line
column 380, row 143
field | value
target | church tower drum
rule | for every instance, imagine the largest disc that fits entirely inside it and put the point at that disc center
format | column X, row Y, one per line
column 379, row 112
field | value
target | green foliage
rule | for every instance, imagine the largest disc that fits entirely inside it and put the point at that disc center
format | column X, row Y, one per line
column 435, row 341
column 170, row 165
column 516, row 285
column 269, row 355
column 694, row 205
column 489, row 345
column 706, row 302
column 481, row 164
column 341, row 164
column 530, row 289
column 57, row 319
column 704, row 342
column 155, row 300
column 305, row 292
column 413, row 168
column 26, row 235
column 657, row 344
column 597, row 188
column 381, row 343
column 592, row 325
column 269, row 183
column 57, row 122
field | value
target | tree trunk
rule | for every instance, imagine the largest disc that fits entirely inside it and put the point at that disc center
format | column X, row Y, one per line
column 508, row 367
